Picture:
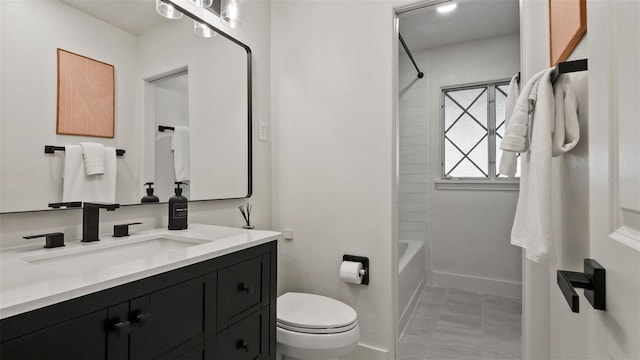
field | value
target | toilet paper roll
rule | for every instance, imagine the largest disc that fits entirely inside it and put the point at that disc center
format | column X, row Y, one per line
column 350, row 272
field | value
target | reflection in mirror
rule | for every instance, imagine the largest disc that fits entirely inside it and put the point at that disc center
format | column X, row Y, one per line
column 143, row 47
column 171, row 99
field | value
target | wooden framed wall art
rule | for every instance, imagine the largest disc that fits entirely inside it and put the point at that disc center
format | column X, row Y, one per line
column 567, row 25
column 86, row 96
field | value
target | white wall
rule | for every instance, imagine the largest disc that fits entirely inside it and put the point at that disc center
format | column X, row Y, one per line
column 549, row 329
column 414, row 217
column 30, row 178
column 333, row 152
column 470, row 229
column 255, row 33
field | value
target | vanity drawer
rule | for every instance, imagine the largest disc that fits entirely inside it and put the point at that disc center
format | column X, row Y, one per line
column 242, row 287
column 247, row 339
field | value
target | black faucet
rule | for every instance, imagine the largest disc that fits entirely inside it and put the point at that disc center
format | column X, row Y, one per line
column 91, row 219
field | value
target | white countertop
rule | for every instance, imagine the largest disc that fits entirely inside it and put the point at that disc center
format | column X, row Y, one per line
column 29, row 281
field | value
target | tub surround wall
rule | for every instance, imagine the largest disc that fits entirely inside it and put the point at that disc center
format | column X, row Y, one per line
column 413, row 201
column 414, row 210
column 255, row 34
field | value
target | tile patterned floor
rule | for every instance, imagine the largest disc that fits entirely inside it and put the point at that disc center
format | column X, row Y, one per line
column 457, row 324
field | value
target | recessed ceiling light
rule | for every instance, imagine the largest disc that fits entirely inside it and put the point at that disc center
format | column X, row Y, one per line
column 446, row 8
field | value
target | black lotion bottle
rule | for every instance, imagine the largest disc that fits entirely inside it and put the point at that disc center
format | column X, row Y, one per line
column 149, row 198
column 178, row 209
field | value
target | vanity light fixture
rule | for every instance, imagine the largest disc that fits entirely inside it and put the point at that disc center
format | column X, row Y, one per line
column 443, row 9
column 230, row 13
column 203, row 30
column 167, row 10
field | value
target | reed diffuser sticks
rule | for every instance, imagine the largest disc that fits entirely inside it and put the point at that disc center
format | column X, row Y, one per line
column 246, row 214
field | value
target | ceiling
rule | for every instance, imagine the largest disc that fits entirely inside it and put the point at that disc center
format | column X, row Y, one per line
column 472, row 20
column 133, row 16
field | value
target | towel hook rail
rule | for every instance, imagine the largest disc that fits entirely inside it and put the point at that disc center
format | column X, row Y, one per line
column 568, row 67
column 50, row 149
column 162, row 128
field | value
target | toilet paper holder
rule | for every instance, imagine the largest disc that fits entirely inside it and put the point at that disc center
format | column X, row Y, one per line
column 365, row 266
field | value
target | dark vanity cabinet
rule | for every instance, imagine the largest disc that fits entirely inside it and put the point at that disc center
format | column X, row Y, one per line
column 223, row 308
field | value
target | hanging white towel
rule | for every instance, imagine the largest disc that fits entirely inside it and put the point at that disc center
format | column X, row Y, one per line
column 73, row 174
column 77, row 186
column 102, row 188
column 532, row 223
column 180, row 147
column 566, row 133
column 509, row 159
column 517, row 135
column 93, row 158
column 553, row 118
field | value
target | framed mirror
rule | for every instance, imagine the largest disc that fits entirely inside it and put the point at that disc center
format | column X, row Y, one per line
column 210, row 96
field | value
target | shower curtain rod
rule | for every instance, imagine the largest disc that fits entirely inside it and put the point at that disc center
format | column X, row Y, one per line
column 420, row 73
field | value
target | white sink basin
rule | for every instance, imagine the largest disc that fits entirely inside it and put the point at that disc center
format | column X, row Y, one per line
column 102, row 255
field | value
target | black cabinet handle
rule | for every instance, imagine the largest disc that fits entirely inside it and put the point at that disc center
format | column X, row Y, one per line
column 120, row 327
column 246, row 288
column 592, row 280
column 241, row 344
column 140, row 317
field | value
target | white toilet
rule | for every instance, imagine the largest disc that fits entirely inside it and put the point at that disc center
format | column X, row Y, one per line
column 315, row 327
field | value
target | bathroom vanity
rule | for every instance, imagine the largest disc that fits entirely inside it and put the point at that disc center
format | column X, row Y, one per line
column 207, row 292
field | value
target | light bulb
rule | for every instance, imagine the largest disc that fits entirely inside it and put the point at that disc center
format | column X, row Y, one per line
column 230, row 13
column 203, row 30
column 203, row 3
column 167, row 10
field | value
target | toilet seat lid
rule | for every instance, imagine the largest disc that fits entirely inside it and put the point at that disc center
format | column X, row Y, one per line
column 312, row 311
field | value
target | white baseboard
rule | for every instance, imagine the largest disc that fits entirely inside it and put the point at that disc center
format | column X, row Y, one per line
column 478, row 284
column 367, row 352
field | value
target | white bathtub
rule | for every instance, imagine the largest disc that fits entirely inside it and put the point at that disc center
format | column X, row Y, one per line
column 411, row 273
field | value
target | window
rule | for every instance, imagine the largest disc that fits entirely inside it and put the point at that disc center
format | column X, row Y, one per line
column 473, row 127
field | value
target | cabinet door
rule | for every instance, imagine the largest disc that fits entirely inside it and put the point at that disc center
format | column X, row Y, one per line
column 242, row 287
column 166, row 319
column 82, row 338
column 118, row 329
column 247, row 339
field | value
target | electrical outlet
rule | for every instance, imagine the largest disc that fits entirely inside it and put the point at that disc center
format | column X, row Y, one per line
column 262, row 131
column 288, row 234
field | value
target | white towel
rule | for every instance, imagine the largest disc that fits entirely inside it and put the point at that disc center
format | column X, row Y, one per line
column 553, row 118
column 532, row 223
column 102, row 188
column 509, row 159
column 566, row 133
column 73, row 174
column 77, row 186
column 93, row 158
column 518, row 132
column 180, row 147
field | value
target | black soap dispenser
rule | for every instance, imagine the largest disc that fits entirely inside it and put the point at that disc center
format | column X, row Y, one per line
column 149, row 198
column 178, row 209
